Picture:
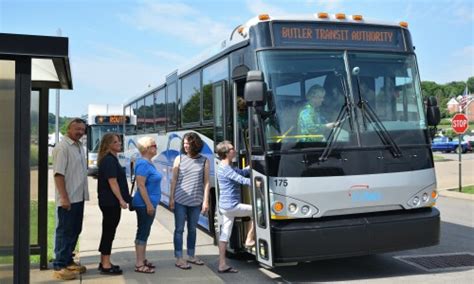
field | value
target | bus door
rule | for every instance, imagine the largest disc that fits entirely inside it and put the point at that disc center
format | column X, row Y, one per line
column 255, row 91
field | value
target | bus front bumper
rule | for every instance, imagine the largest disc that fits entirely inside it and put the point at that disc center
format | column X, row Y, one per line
column 355, row 235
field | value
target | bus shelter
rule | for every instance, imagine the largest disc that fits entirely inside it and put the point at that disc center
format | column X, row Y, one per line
column 29, row 67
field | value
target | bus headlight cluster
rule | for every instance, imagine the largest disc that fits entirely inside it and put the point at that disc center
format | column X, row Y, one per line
column 423, row 198
column 284, row 207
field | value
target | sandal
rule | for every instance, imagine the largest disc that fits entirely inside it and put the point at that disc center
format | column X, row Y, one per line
column 144, row 269
column 114, row 270
column 229, row 269
column 113, row 265
column 183, row 266
column 196, row 261
column 149, row 264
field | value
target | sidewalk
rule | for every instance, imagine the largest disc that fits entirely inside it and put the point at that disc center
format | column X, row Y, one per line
column 447, row 175
column 160, row 251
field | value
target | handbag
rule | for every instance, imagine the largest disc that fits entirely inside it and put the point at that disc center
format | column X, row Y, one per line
column 130, row 205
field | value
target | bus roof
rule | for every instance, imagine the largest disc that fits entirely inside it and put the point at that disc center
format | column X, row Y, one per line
column 240, row 35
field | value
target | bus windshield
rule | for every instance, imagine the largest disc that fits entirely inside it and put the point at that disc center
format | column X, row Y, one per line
column 310, row 88
column 97, row 131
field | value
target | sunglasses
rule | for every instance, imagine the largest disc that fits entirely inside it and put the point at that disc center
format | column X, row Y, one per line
column 153, row 146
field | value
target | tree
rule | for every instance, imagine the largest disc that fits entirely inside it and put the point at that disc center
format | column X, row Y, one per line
column 470, row 85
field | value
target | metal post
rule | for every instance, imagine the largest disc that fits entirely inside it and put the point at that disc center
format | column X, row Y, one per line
column 56, row 129
column 460, row 153
column 43, row 178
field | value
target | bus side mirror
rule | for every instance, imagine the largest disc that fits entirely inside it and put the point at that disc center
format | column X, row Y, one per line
column 433, row 114
column 255, row 89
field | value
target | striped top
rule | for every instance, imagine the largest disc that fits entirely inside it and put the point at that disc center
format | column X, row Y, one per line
column 190, row 184
column 230, row 180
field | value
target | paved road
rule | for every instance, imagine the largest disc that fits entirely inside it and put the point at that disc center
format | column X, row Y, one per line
column 457, row 231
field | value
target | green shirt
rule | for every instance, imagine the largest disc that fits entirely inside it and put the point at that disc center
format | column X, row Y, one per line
column 309, row 123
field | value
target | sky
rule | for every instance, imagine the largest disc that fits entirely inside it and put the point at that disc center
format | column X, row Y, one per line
column 120, row 48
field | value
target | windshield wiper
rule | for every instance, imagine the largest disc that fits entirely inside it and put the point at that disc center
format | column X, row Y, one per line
column 370, row 115
column 344, row 113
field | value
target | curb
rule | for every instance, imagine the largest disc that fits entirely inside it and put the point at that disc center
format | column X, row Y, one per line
column 450, row 192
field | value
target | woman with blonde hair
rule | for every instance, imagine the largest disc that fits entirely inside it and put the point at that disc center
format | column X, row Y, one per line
column 145, row 200
column 113, row 195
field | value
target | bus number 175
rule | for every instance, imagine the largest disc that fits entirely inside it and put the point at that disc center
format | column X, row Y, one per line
column 281, row 182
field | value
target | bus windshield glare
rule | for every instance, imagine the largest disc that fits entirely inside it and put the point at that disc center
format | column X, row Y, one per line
column 309, row 89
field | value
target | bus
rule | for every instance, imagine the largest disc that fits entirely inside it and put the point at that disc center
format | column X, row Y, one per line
column 102, row 119
column 362, row 184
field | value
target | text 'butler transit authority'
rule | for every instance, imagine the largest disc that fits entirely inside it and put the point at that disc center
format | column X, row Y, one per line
column 336, row 34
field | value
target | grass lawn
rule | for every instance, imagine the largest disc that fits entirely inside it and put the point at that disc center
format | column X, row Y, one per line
column 468, row 189
column 438, row 158
column 34, row 232
column 34, row 229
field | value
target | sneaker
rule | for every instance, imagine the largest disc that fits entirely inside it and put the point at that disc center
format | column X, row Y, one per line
column 74, row 267
column 64, row 274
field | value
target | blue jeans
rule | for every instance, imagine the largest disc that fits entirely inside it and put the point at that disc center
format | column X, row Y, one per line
column 144, row 222
column 67, row 233
column 181, row 213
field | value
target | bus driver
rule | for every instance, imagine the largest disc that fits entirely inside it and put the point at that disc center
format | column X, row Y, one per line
column 310, row 119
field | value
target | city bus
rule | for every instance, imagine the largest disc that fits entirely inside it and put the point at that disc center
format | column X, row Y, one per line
column 362, row 183
column 102, row 119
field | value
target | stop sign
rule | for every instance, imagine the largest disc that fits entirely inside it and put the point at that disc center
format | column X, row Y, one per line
column 459, row 123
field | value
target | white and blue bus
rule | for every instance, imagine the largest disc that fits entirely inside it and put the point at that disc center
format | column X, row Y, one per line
column 102, row 119
column 366, row 186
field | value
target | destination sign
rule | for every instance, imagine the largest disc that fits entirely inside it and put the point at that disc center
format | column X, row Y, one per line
column 337, row 36
column 112, row 119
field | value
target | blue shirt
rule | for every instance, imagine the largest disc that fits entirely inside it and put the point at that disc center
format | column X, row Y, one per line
column 230, row 180
column 152, row 183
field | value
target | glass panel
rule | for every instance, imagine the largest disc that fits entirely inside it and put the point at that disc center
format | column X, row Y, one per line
column 140, row 115
column 211, row 74
column 160, row 109
column 135, row 113
column 149, row 114
column 128, row 130
column 191, row 98
column 34, row 111
column 171, row 105
column 7, row 136
column 307, row 94
column 389, row 83
column 218, row 114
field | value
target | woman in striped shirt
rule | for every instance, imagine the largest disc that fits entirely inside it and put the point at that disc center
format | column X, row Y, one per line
column 189, row 196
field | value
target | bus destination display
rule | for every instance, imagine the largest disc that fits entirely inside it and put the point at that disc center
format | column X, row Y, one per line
column 112, row 119
column 339, row 36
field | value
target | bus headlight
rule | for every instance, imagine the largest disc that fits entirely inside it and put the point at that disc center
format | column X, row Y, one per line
column 292, row 208
column 416, row 201
column 305, row 210
column 424, row 198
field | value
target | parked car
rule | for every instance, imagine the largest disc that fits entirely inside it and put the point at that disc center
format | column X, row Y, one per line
column 446, row 144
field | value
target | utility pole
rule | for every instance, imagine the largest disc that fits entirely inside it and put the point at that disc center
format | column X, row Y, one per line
column 56, row 129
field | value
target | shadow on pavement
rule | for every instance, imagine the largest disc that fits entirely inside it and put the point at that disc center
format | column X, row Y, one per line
column 454, row 239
